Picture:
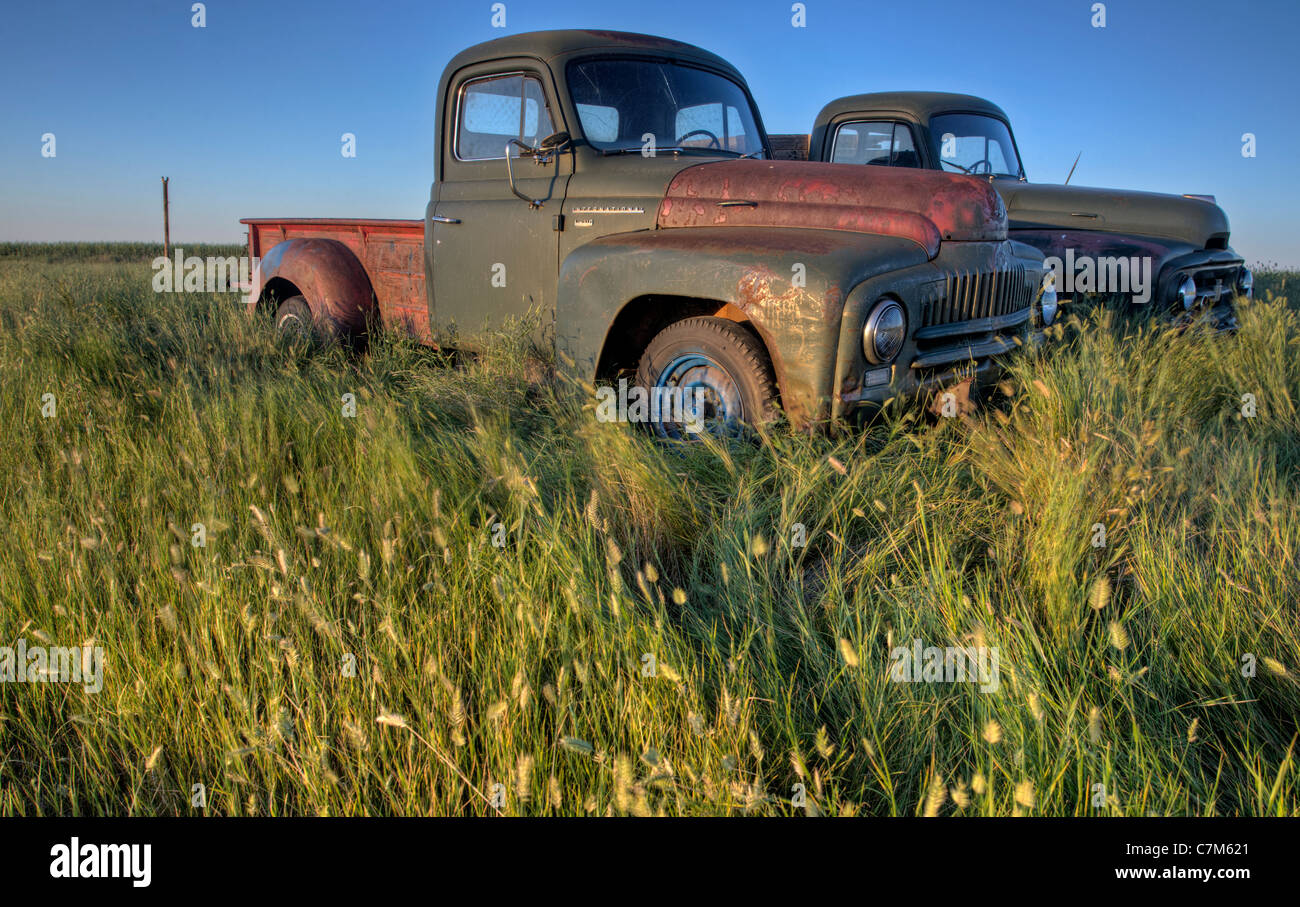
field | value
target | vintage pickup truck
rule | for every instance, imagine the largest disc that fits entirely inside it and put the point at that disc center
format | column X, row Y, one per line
column 1169, row 249
column 622, row 187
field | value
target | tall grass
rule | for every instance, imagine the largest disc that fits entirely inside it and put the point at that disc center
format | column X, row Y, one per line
column 472, row 598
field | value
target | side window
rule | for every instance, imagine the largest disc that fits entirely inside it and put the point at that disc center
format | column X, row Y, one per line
column 883, row 144
column 496, row 109
column 862, row 143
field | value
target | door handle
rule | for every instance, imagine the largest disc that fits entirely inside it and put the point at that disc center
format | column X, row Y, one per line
column 439, row 219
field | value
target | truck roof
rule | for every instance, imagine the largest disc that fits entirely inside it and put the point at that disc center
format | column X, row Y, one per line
column 555, row 47
column 549, row 44
column 920, row 104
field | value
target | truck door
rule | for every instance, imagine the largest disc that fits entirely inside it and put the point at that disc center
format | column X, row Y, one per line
column 495, row 255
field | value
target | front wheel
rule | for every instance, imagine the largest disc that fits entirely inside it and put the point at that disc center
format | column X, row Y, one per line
column 709, row 376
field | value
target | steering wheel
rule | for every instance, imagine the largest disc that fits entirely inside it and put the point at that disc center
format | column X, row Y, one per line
column 973, row 169
column 712, row 138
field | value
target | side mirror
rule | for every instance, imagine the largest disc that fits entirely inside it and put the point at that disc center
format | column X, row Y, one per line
column 556, row 141
column 525, row 151
column 544, row 153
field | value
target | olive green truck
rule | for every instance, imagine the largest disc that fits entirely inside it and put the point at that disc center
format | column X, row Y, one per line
column 1168, row 252
column 621, row 189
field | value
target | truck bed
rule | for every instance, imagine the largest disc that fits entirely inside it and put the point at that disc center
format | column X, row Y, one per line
column 391, row 251
column 789, row 147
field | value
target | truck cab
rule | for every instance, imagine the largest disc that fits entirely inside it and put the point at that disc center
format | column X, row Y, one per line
column 621, row 190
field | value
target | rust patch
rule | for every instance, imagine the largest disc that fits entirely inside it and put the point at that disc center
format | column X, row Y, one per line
column 832, row 305
column 923, row 206
column 761, row 241
column 786, row 318
column 756, row 296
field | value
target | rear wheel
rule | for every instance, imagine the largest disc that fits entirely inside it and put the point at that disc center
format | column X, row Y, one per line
column 295, row 325
column 710, row 376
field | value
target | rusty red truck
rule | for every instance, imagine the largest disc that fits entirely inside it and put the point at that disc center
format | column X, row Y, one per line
column 621, row 187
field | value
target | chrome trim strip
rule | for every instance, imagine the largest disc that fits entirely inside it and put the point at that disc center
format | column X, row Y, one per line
column 974, row 326
column 965, row 352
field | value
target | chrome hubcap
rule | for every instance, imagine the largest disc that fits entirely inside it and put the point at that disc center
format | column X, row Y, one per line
column 291, row 329
column 707, row 396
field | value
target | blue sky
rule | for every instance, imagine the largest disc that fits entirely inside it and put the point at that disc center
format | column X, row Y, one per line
column 245, row 115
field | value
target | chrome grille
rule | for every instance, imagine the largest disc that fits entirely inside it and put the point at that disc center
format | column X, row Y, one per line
column 973, row 316
column 1216, row 283
column 969, row 296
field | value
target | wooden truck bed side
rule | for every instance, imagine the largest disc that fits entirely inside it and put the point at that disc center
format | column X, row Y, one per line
column 391, row 251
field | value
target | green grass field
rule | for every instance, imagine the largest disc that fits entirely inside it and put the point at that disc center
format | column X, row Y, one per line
column 647, row 638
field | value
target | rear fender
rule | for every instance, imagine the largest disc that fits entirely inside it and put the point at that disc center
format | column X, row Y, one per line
column 790, row 286
column 326, row 273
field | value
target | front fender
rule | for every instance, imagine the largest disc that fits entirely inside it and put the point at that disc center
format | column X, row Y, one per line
column 1170, row 258
column 791, row 284
column 326, row 273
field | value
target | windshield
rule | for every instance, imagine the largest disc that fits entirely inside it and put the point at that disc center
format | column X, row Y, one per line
column 971, row 143
column 629, row 105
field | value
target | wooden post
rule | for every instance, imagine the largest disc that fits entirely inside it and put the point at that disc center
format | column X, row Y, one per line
column 167, row 230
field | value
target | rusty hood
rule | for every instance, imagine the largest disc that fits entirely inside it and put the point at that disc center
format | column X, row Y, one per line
column 920, row 205
column 1038, row 205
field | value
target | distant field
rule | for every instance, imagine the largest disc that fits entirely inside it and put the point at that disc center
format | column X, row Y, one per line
column 1278, row 283
column 104, row 252
column 648, row 638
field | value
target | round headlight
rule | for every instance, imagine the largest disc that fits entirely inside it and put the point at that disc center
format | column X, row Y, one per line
column 884, row 332
column 1049, row 299
column 1187, row 293
column 1246, row 283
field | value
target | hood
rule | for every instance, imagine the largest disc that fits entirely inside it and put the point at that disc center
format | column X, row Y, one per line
column 920, row 205
column 1191, row 220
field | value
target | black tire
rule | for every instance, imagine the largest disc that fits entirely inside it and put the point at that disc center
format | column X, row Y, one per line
column 295, row 325
column 722, row 359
